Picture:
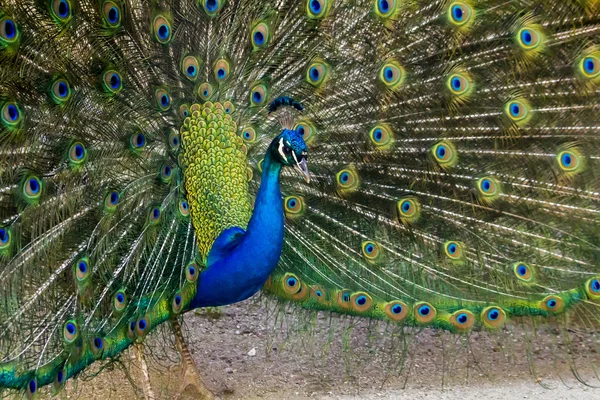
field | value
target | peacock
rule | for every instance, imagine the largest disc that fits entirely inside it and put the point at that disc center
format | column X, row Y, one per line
column 429, row 163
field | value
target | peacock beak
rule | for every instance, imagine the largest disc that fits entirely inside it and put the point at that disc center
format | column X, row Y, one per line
column 302, row 166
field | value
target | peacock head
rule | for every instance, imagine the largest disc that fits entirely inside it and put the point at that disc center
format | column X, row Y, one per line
column 289, row 149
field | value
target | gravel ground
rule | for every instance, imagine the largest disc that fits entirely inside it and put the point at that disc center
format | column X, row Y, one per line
column 243, row 354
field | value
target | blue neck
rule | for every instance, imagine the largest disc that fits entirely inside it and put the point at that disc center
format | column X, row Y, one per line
column 240, row 271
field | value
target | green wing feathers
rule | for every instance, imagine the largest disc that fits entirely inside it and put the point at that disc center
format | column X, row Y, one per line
column 214, row 159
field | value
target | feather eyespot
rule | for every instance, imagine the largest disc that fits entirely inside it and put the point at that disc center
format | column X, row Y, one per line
column 459, row 84
column 381, row 136
column 342, row 298
column 588, row 64
column 190, row 67
column 460, row 14
column 70, row 331
column 32, row 387
column 60, row 91
column 32, row 188
column 424, row 312
column 258, row 95
column 5, row 238
column 454, row 250
column 82, row 270
column 294, row 206
column 112, row 82
column 347, row 179
column 493, row 317
column 221, row 70
column 165, row 173
column 260, row 36
column 142, row 326
column 137, row 141
column 192, row 272
column 462, row 320
column 61, row 10
column 8, row 30
column 119, row 301
column 249, row 135
column 11, row 115
column 396, row 310
column 361, row 301
column 205, row 91
column 111, row 13
column 529, row 38
column 523, row 272
column 174, row 140
column 553, row 304
column 408, row 209
column 568, row 161
column 154, row 215
column 318, row 293
column 445, row 154
column 517, row 110
column 386, row 9
column 163, row 99
column 59, row 381
column 111, row 200
column 317, row 73
column 317, row 9
column 488, row 189
column 292, row 284
column 372, row 251
column 392, row 74
column 211, row 7
column 184, row 208
column 77, row 154
column 97, row 346
column 162, row 29
column 592, row 288
column 305, row 128
column 177, row 303
column 131, row 329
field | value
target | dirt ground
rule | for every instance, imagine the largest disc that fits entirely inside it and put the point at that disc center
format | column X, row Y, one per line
column 256, row 350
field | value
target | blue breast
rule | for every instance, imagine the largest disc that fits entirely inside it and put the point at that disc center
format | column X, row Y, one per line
column 240, row 261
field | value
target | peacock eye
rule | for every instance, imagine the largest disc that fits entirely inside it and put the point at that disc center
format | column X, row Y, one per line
column 287, row 151
column 162, row 29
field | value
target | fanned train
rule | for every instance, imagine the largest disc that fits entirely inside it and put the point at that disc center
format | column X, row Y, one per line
column 448, row 158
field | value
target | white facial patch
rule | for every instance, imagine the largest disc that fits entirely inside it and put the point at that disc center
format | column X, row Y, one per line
column 280, row 149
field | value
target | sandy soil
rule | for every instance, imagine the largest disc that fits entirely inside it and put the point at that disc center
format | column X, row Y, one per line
column 256, row 350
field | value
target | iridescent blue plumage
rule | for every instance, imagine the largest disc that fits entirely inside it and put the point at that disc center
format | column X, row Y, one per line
column 240, row 261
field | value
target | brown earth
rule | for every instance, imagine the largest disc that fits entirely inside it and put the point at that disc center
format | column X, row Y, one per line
column 300, row 355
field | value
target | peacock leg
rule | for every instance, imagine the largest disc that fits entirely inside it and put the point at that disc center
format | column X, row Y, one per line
column 191, row 376
column 139, row 354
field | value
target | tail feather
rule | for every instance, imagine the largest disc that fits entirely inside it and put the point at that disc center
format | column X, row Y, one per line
column 453, row 149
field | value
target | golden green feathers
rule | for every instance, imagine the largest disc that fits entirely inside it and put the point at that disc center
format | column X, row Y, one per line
column 212, row 156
